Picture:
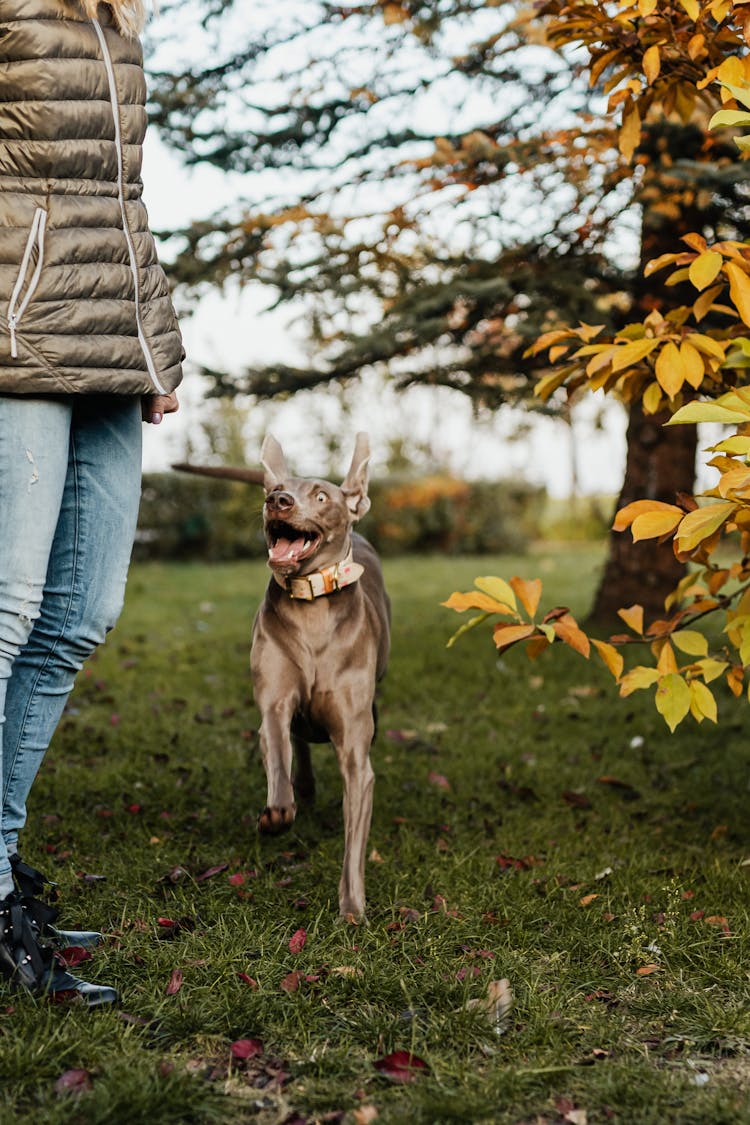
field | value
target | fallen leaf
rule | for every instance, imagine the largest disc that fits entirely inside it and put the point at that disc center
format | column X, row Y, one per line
column 291, row 981
column 576, row 800
column 364, row 1115
column 73, row 955
column 248, row 979
column 175, row 982
column 587, row 899
column 237, row 879
column 246, row 1048
column 496, row 1005
column 439, row 780
column 401, row 1067
column 647, row 970
column 73, row 1082
column 375, row 856
column 297, row 941
column 211, row 871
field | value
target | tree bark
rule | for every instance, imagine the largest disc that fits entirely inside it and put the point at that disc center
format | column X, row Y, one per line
column 660, row 463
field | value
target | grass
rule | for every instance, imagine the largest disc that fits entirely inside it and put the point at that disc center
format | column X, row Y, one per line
column 154, row 779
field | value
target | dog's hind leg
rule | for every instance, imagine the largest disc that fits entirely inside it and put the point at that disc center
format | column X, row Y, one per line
column 304, row 779
column 359, row 781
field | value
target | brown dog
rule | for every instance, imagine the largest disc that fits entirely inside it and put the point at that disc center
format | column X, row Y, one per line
column 320, row 644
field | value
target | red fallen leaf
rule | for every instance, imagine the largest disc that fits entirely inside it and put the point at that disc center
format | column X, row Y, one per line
column 512, row 863
column 166, row 922
column 291, row 981
column 175, row 982
column 211, row 871
column 104, row 813
column 133, row 809
column 246, row 1048
column 114, row 719
column 248, row 980
column 236, row 880
column 73, row 1081
column 687, row 895
column 697, row 915
column 409, row 914
column 73, row 955
column 401, row 1067
column 438, row 779
column 297, row 941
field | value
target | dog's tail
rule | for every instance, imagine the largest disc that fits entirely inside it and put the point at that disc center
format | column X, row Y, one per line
column 247, row 476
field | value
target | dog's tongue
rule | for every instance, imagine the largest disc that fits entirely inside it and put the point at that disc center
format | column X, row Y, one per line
column 285, row 550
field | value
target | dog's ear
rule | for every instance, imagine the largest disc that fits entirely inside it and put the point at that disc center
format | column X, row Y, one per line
column 275, row 471
column 354, row 487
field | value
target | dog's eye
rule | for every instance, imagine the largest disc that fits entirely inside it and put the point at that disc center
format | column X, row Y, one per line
column 322, row 497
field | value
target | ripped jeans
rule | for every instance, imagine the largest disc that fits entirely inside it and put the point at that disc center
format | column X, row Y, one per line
column 70, row 474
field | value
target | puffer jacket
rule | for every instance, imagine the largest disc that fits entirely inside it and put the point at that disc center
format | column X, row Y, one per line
column 84, row 303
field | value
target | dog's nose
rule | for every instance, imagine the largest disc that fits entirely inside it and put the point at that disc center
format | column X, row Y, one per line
column 280, row 501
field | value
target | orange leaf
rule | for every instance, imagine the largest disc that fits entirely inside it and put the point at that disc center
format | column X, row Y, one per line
column 587, row 899
column 630, row 512
column 528, row 592
column 506, row 635
column 647, row 970
column 651, row 525
column 568, row 631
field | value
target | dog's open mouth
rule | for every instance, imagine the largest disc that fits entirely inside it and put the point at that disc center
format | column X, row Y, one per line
column 287, row 545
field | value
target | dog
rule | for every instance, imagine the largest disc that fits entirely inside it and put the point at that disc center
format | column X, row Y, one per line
column 320, row 644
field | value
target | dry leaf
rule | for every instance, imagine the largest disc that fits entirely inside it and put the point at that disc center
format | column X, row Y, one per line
column 496, row 1005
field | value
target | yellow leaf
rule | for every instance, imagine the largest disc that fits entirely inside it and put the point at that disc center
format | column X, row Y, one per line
column 667, row 663
column 672, row 699
column 708, row 412
column 528, row 592
column 693, row 9
column 653, row 524
column 669, row 373
column 630, row 354
column 651, row 64
column 611, row 657
column 659, row 263
column 497, row 588
column 702, row 523
column 690, row 641
column 548, row 631
column 637, row 679
column 739, row 289
column 473, row 600
column 692, row 364
column 568, row 631
column 647, row 7
column 506, row 635
column 587, row 899
column 633, row 618
column 627, row 514
column 652, row 398
column 630, row 131
column 712, row 669
column 548, row 384
column 705, row 268
column 705, row 301
column 702, row 702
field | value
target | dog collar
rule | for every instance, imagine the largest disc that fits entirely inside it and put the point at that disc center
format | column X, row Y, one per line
column 307, row 587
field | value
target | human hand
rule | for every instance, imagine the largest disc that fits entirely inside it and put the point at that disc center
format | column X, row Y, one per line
column 154, row 407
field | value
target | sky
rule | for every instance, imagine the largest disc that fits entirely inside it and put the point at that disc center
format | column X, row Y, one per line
column 233, row 329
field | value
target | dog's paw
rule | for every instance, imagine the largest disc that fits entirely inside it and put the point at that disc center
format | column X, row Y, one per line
column 272, row 821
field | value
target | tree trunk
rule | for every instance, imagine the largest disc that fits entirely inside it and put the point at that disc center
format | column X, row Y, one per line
column 660, row 463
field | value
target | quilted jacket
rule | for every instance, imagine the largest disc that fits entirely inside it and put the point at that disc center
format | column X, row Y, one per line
column 84, row 303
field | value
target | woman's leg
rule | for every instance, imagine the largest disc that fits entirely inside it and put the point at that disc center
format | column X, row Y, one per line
column 84, row 590
column 34, row 437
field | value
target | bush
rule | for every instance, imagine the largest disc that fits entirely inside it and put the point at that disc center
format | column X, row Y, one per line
column 190, row 517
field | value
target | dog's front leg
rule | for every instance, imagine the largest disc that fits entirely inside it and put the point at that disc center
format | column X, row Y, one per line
column 359, row 780
column 276, row 748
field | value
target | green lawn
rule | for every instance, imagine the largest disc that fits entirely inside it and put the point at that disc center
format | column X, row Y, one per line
column 528, row 825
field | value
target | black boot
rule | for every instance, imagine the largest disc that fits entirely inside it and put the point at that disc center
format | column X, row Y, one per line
column 23, row 961
column 31, row 884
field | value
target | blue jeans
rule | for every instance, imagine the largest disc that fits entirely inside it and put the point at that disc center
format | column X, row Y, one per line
column 70, row 475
